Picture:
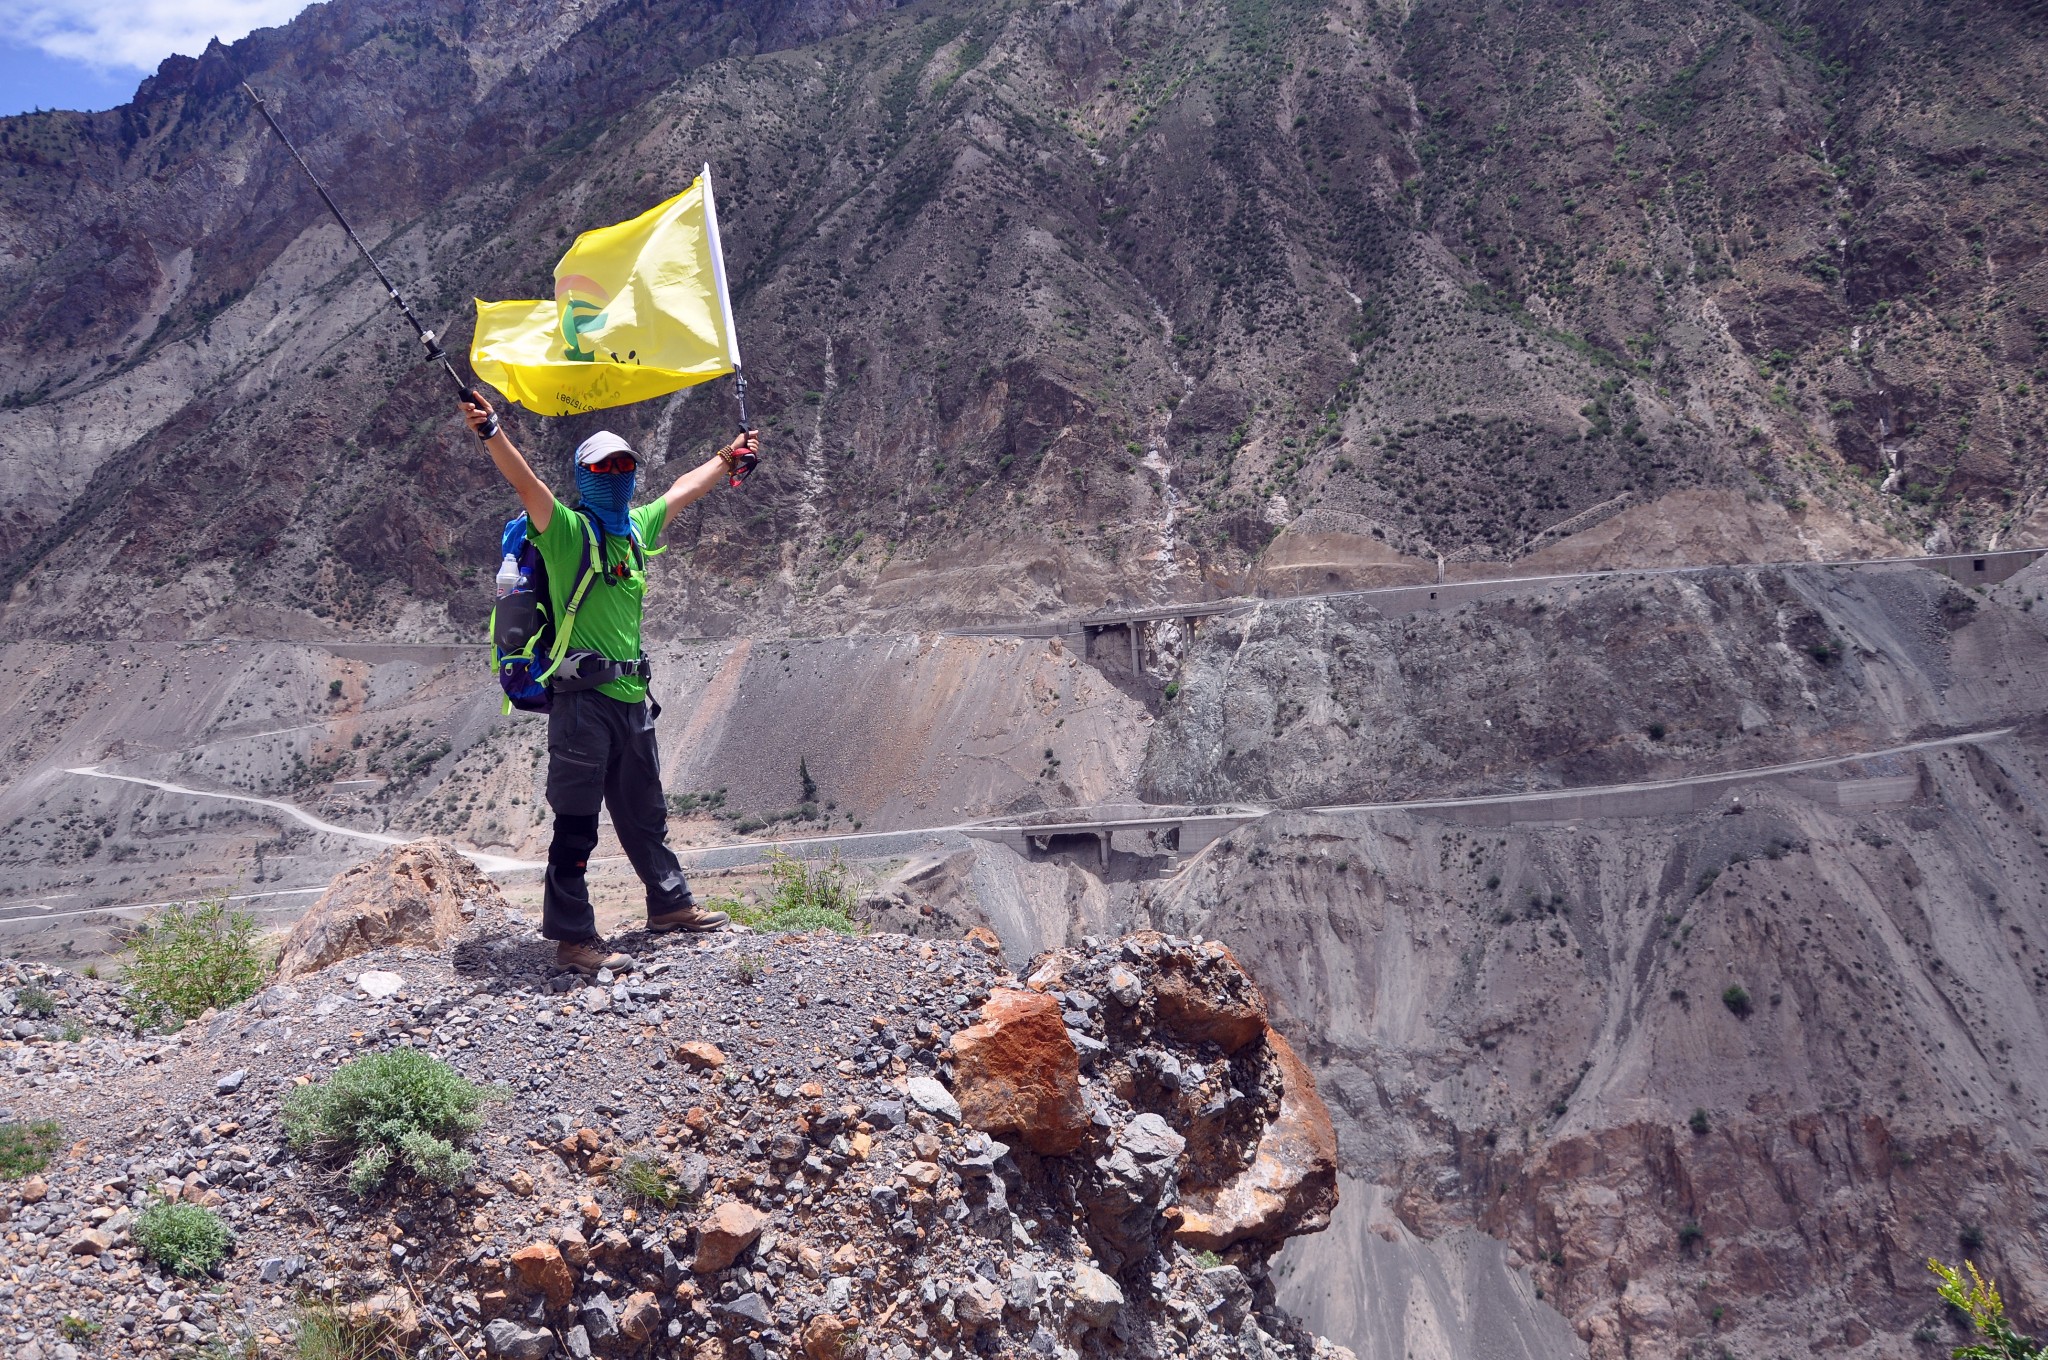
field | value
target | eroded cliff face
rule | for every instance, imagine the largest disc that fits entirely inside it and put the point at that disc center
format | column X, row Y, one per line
column 1532, row 1026
column 1721, row 1058
column 1589, row 682
column 1045, row 307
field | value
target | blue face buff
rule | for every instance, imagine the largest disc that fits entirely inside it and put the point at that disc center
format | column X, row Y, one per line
column 606, row 495
column 609, row 497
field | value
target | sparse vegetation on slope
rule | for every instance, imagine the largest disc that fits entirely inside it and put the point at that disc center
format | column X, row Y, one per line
column 185, row 1239
column 386, row 1110
column 26, row 1147
column 190, row 959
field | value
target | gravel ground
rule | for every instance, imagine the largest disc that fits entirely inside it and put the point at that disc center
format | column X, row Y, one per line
column 810, row 1115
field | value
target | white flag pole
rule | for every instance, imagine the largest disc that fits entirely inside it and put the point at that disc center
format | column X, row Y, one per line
column 732, row 334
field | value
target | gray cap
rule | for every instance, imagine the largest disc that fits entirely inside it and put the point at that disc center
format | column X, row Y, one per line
column 599, row 447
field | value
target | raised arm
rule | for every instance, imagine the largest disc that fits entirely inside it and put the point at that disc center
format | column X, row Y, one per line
column 511, row 464
column 699, row 480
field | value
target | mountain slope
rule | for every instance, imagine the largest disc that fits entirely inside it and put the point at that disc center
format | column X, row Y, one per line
column 1055, row 305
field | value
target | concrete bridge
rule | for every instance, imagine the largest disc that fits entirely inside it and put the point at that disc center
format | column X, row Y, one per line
column 1157, row 830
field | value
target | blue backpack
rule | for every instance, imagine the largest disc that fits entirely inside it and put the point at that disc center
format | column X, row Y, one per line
column 528, row 645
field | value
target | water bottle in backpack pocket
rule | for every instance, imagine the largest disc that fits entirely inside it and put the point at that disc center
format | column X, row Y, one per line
column 520, row 628
column 528, row 644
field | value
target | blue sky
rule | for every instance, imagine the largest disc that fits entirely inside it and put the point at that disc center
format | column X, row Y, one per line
column 33, row 79
column 91, row 54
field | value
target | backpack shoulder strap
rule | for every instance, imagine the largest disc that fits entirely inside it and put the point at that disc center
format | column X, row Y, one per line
column 586, row 573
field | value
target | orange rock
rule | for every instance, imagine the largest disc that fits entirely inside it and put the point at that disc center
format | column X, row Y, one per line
column 574, row 1247
column 411, row 894
column 724, row 1233
column 639, row 1317
column 1291, row 1186
column 697, row 1119
column 700, row 1055
column 1207, row 997
column 824, row 1338
column 541, row 1270
column 1017, row 1072
column 987, row 939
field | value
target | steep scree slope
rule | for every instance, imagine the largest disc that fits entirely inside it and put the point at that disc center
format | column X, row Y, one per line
column 1721, row 1080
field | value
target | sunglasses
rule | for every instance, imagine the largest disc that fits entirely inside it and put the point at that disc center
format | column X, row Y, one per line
column 618, row 462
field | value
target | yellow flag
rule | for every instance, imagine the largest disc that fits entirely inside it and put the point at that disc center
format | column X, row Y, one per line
column 640, row 309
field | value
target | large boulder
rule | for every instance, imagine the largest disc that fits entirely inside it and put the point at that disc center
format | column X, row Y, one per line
column 1230, row 1145
column 420, row 893
column 1291, row 1186
column 1018, row 1072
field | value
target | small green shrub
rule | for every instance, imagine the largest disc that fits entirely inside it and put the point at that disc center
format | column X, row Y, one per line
column 803, row 897
column 1689, row 1235
column 645, row 1179
column 1698, row 1123
column 1736, row 999
column 72, row 1032
column 1970, row 1237
column 1978, row 1300
column 30, row 999
column 1208, row 1260
column 385, row 1109
column 72, row 1327
column 185, row 1239
column 747, row 969
column 192, row 959
column 27, row 1148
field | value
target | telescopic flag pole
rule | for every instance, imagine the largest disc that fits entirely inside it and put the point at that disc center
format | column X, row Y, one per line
column 745, row 462
column 435, row 354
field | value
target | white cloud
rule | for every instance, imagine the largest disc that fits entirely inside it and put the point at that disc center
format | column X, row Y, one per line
column 136, row 33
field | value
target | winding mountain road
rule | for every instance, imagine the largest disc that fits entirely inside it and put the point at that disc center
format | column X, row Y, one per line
column 1640, row 798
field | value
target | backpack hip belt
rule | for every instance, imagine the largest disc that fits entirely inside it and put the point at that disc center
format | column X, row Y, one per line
column 589, row 670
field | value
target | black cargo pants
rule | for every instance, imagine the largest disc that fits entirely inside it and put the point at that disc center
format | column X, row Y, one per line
column 601, row 752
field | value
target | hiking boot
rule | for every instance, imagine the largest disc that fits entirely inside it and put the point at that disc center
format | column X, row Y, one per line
column 687, row 917
column 589, row 956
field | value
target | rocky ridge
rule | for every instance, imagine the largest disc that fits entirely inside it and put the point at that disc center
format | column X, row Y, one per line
column 885, row 1147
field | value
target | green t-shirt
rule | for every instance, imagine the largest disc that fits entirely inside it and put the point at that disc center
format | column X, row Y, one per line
column 608, row 622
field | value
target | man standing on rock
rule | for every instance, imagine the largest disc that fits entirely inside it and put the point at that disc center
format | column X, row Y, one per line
column 601, row 748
